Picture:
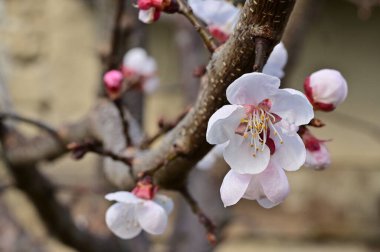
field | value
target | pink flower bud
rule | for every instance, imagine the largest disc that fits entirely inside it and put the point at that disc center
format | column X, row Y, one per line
column 113, row 82
column 326, row 89
column 317, row 154
column 217, row 33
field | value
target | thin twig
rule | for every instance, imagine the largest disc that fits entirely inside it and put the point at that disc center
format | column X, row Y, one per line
column 203, row 219
column 33, row 122
column 164, row 127
column 124, row 122
column 209, row 41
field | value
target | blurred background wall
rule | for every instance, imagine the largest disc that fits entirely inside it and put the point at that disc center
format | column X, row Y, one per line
column 50, row 49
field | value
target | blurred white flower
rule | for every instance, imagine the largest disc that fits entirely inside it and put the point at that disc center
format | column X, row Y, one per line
column 138, row 64
column 208, row 161
column 131, row 214
column 220, row 16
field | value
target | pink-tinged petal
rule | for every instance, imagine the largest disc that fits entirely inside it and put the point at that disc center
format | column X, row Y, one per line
column 276, row 61
column 275, row 185
column 239, row 155
column 252, row 88
column 121, row 220
column 123, row 197
column 292, row 106
column 291, row 154
column 152, row 217
column 222, row 123
column 254, row 190
column 165, row 202
column 233, row 187
column 147, row 16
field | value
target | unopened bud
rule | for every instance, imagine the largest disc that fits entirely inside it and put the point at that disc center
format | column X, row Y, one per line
column 326, row 89
column 113, row 82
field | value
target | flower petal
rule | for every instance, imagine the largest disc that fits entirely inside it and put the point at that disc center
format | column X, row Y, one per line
column 165, row 202
column 222, row 123
column 214, row 11
column 135, row 59
column 239, row 155
column 252, row 88
column 292, row 106
column 233, row 187
column 274, row 184
column 121, row 220
column 152, row 217
column 290, row 155
column 276, row 61
column 123, row 197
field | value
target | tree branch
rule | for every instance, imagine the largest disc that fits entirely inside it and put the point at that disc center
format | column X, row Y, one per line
column 209, row 41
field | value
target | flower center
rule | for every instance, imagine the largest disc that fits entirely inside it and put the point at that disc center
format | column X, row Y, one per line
column 256, row 127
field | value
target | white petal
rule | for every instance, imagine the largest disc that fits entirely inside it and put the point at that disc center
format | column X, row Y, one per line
column 223, row 122
column 276, row 61
column 121, row 220
column 150, row 66
column 165, row 202
column 239, row 155
column 290, row 155
column 135, row 59
column 124, row 197
column 147, row 16
column 266, row 203
column 254, row 190
column 152, row 217
column 252, row 88
column 233, row 187
column 292, row 106
column 275, row 185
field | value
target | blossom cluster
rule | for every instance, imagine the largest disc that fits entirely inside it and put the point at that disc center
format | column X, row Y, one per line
column 262, row 133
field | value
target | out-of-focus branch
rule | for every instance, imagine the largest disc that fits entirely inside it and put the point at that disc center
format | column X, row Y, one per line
column 202, row 217
column 34, row 122
column 259, row 18
column 209, row 41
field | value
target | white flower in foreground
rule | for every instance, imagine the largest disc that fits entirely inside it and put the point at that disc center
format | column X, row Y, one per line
column 220, row 16
column 326, row 89
column 261, row 121
column 317, row 154
column 138, row 64
column 276, row 61
column 131, row 213
column 269, row 187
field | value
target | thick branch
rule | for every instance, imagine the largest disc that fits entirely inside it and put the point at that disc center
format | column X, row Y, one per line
column 259, row 18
